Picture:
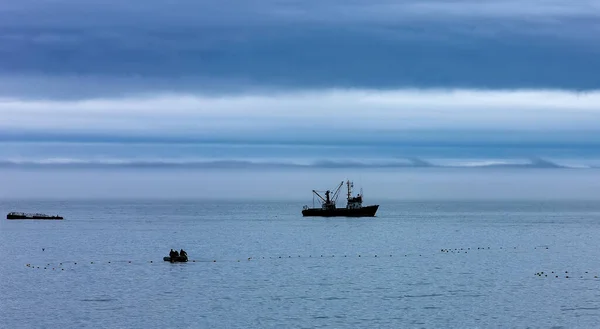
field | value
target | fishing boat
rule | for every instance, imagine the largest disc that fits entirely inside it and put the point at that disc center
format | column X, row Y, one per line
column 23, row 215
column 354, row 207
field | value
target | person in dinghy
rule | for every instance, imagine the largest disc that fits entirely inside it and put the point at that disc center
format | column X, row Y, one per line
column 175, row 256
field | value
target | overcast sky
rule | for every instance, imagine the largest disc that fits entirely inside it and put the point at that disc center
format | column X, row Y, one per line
column 300, row 70
column 227, row 45
column 364, row 84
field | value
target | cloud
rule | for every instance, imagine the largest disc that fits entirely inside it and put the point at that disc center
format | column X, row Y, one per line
column 267, row 164
column 183, row 45
column 301, row 113
column 232, row 12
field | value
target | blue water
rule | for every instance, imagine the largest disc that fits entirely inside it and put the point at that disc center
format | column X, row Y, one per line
column 383, row 272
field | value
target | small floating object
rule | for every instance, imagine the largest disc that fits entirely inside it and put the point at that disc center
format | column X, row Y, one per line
column 23, row 215
column 178, row 259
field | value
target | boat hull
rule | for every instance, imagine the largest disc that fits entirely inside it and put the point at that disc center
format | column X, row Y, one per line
column 176, row 260
column 368, row 211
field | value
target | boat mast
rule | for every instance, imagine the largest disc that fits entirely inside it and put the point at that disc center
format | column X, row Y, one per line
column 320, row 197
column 337, row 191
column 350, row 186
column 328, row 199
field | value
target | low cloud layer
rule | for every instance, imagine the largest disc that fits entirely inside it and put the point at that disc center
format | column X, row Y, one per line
column 302, row 113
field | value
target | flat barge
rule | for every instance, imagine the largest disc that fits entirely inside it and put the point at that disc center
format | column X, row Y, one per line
column 24, row 215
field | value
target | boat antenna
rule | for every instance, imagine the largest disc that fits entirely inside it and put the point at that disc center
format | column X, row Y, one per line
column 360, row 182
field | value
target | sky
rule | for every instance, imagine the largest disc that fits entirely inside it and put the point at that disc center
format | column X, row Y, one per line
column 251, row 69
column 327, row 83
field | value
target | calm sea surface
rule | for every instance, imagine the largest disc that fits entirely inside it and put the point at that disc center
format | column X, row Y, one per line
column 261, row 265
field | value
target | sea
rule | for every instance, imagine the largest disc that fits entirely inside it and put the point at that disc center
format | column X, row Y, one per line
column 468, row 263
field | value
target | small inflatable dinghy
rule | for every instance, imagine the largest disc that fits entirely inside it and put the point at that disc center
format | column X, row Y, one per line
column 179, row 259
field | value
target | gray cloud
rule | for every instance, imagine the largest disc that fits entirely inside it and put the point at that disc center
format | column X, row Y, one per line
column 101, row 48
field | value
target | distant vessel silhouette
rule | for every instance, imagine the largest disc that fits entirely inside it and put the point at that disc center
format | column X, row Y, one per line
column 23, row 215
column 354, row 207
